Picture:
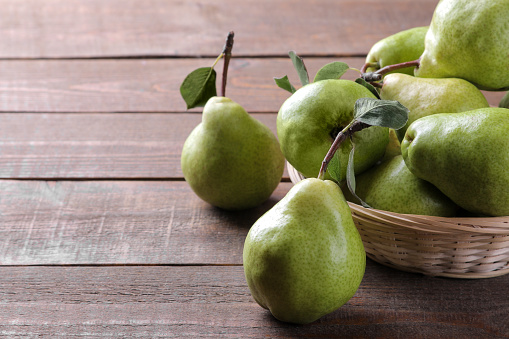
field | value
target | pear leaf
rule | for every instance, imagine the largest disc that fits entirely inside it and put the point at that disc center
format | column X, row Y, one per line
column 198, row 87
column 504, row 103
column 334, row 168
column 350, row 177
column 385, row 113
column 285, row 84
column 298, row 63
column 369, row 86
column 333, row 70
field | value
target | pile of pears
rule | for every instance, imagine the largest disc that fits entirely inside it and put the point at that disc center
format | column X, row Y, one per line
column 304, row 258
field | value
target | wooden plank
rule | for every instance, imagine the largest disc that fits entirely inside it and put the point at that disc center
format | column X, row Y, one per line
column 179, row 302
column 139, row 85
column 118, row 222
column 97, row 145
column 146, row 85
column 84, row 28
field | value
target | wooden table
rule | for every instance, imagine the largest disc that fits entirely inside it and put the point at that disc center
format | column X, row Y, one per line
column 100, row 235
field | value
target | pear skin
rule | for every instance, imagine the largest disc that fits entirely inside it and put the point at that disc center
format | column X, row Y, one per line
column 304, row 258
column 390, row 186
column 468, row 39
column 308, row 122
column 407, row 45
column 465, row 156
column 231, row 160
column 426, row 96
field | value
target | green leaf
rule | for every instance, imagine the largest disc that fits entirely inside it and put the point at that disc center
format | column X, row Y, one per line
column 504, row 103
column 333, row 70
column 350, row 177
column 298, row 63
column 198, row 87
column 285, row 84
column 334, row 168
column 385, row 113
column 369, row 86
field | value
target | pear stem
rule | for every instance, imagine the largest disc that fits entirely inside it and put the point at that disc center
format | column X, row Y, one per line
column 348, row 131
column 367, row 65
column 378, row 74
column 227, row 52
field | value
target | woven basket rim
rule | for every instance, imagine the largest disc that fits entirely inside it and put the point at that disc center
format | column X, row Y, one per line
column 424, row 223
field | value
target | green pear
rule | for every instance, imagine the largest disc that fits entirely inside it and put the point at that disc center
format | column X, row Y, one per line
column 468, row 39
column 231, row 160
column 393, row 147
column 304, row 258
column 407, row 45
column 504, row 102
column 426, row 96
column 390, row 186
column 308, row 122
column 465, row 156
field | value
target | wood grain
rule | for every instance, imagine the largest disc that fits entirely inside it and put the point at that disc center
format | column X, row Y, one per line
column 140, row 85
column 117, row 28
column 215, row 301
column 118, row 222
column 147, row 85
column 97, row 146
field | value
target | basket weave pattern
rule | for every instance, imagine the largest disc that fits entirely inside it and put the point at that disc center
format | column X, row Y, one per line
column 448, row 247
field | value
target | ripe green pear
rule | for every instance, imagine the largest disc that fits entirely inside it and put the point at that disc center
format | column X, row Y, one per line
column 426, row 96
column 465, row 155
column 231, row 160
column 308, row 122
column 468, row 39
column 393, row 147
column 407, row 45
column 504, row 102
column 390, row 186
column 304, row 258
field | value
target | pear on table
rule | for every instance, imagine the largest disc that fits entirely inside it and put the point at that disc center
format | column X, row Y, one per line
column 304, row 258
column 231, row 160
column 426, row 96
column 309, row 120
column 465, row 156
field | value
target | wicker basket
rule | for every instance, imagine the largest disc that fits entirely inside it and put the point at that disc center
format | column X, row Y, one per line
column 449, row 247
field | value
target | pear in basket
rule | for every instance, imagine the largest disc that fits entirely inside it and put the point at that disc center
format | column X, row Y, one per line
column 390, row 186
column 401, row 47
column 465, row 155
column 426, row 96
column 468, row 39
column 308, row 122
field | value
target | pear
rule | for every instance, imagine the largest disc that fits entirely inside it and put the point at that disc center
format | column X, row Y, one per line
column 231, row 160
column 407, row 45
column 393, row 147
column 304, row 258
column 426, row 96
column 465, row 156
column 390, row 186
column 468, row 39
column 308, row 122
column 504, row 102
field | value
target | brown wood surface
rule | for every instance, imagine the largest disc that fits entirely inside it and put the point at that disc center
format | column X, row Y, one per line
column 100, row 236
column 97, row 146
column 147, row 85
column 126, row 28
column 118, row 222
column 141, row 85
column 168, row 301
